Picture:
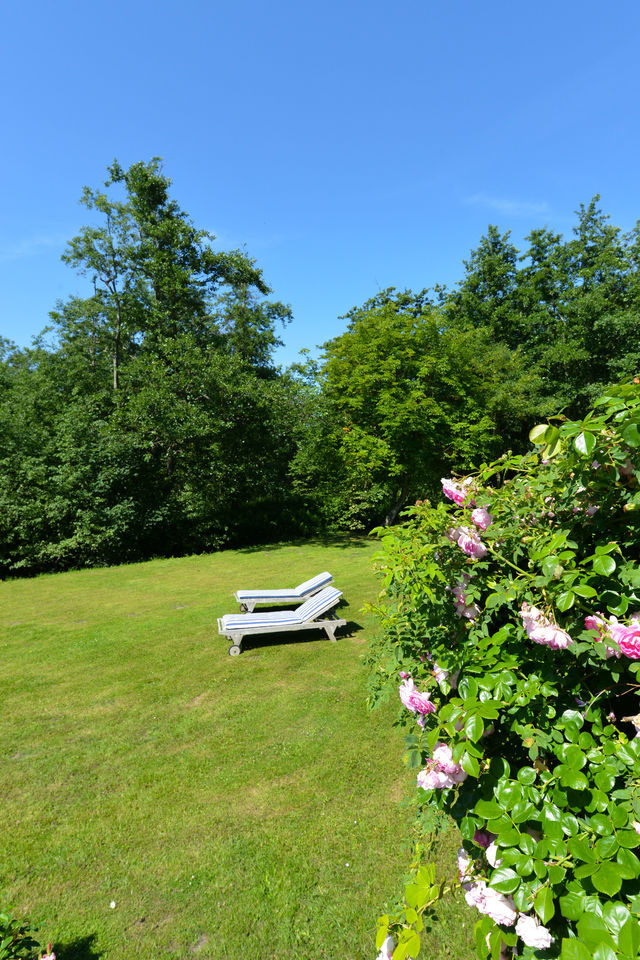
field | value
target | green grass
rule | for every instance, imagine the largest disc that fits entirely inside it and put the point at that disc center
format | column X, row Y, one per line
column 245, row 807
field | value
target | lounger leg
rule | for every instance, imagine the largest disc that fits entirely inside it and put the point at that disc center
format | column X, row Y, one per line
column 331, row 633
column 236, row 644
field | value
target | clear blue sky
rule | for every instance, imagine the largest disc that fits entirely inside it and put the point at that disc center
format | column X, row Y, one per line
column 349, row 145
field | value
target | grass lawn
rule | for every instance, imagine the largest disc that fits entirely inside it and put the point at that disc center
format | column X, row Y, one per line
column 245, row 808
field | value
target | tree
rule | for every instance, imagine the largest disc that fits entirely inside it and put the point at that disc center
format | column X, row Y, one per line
column 414, row 393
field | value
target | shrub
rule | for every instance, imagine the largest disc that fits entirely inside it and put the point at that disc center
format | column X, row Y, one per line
column 512, row 627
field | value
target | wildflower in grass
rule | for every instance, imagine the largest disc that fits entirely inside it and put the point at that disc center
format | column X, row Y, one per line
column 532, row 933
column 49, row 955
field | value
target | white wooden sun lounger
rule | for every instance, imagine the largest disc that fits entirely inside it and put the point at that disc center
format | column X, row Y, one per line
column 249, row 599
column 308, row 616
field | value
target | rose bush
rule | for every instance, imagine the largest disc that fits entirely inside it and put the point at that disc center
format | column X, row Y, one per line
column 512, row 612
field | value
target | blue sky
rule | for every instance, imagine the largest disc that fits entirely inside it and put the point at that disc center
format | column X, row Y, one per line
column 349, row 145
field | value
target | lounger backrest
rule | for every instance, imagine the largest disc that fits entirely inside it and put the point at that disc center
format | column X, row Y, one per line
column 314, row 606
column 309, row 586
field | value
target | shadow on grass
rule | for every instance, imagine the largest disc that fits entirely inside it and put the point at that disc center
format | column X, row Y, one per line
column 342, row 541
column 80, row 949
column 259, row 641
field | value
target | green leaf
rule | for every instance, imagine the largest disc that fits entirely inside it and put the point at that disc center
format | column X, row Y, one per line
column 487, row 809
column 527, row 775
column 572, row 905
column 544, row 905
column 573, row 778
column 628, row 863
column 606, row 847
column 574, row 950
column 566, row 600
column 584, row 590
column 604, row 952
column 470, row 765
column 603, row 825
column 473, row 729
column 627, row 838
column 585, row 443
column 607, row 878
column 615, row 916
column 604, row 565
column 537, row 433
column 505, row 880
column 629, row 937
column 592, row 931
column 631, row 435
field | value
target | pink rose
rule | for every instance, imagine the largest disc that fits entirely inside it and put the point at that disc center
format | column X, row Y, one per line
column 443, row 676
column 484, row 898
column 455, row 491
column 484, row 838
column 482, row 518
column 441, row 772
column 501, row 909
column 470, row 543
column 386, row 950
column 414, row 700
column 627, row 638
column 444, row 758
column 492, row 854
column 542, row 630
column 532, row 933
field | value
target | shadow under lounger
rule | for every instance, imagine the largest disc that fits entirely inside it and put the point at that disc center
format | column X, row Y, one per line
column 308, row 616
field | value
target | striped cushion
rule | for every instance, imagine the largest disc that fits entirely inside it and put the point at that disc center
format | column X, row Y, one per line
column 303, row 589
column 269, row 595
column 314, row 606
column 257, row 621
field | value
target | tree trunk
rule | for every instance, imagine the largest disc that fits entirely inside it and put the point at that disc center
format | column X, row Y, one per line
column 396, row 508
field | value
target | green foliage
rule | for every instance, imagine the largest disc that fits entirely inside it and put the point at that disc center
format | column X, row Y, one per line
column 412, row 393
column 16, row 942
column 156, row 423
column 536, row 705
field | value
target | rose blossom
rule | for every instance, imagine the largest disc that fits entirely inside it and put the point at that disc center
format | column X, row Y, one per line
column 414, row 700
column 441, row 772
column 533, row 933
column 463, row 609
column 491, row 854
column 387, row 948
column 484, row 838
column 542, row 630
column 482, row 518
column 470, row 543
column 455, row 491
column 627, row 638
column 484, row 898
column 443, row 676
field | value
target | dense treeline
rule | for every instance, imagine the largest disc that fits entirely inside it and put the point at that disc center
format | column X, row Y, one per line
column 154, row 420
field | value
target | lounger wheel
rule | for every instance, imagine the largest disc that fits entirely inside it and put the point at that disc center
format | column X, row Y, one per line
column 234, row 650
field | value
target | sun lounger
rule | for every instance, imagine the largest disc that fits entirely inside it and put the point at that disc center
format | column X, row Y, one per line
column 308, row 616
column 249, row 599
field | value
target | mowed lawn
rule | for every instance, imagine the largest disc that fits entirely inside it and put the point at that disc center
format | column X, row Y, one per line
column 247, row 807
